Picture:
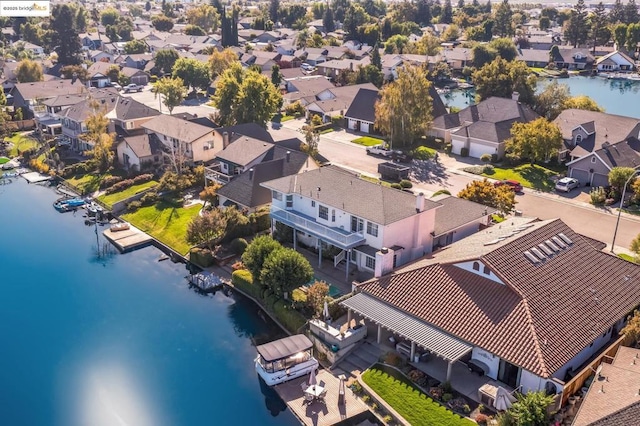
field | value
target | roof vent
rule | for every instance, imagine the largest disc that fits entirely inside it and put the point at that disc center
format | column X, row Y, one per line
column 559, row 242
column 565, row 238
column 538, row 253
column 546, row 250
column 552, row 246
column 492, row 242
column 531, row 257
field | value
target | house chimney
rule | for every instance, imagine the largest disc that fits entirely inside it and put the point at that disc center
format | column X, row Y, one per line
column 288, row 156
column 515, row 96
column 420, row 203
column 384, row 262
column 74, row 77
column 251, row 174
column 225, row 140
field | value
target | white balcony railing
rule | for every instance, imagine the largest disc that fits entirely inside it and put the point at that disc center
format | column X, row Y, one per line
column 213, row 172
column 335, row 236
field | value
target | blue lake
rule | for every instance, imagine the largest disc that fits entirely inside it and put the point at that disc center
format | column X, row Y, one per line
column 116, row 340
column 615, row 96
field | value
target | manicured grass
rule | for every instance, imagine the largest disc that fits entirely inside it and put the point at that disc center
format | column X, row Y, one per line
column 167, row 222
column 4, row 160
column 535, row 176
column 21, row 143
column 325, row 131
column 375, row 180
column 627, row 257
column 87, row 183
column 368, row 141
column 286, row 118
column 409, row 401
column 111, row 199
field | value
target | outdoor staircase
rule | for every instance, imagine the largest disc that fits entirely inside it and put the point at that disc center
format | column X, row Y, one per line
column 361, row 358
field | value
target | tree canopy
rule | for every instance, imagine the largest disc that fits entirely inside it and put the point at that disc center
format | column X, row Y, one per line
column 133, row 47
column 164, row 61
column 257, row 253
column 538, row 140
column 172, row 90
column 29, row 71
column 619, row 175
column 285, row 270
column 220, row 61
column 484, row 192
column 204, row 16
column 207, row 228
column 501, row 78
column 192, row 72
column 403, row 112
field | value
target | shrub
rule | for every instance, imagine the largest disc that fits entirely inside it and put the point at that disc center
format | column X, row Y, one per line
column 396, row 186
column 289, row 317
column 494, row 158
column 243, row 280
column 440, row 192
column 466, row 409
column 149, row 198
column 375, row 407
column 142, row 178
column 423, row 153
column 296, row 109
column 337, row 120
column 109, row 181
column 356, row 387
column 597, row 195
column 39, row 166
column 447, row 148
column 481, row 419
column 485, row 158
column 405, row 184
column 237, row 265
column 418, row 377
column 446, row 387
column 436, row 392
column 392, row 358
column 239, row 245
column 478, row 170
column 120, row 186
column 133, row 206
column 387, row 419
column 366, row 399
column 260, row 221
column 201, row 257
column 447, row 397
column 464, row 152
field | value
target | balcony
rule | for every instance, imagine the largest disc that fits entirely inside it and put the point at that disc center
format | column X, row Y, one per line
column 335, row 236
column 213, row 172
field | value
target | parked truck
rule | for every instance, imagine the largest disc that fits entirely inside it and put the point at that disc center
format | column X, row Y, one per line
column 393, row 171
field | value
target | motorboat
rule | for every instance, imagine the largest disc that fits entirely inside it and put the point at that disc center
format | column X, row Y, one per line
column 65, row 205
column 121, row 226
column 285, row 359
column 93, row 208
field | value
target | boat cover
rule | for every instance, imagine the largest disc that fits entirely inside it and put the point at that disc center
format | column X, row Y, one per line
column 284, row 348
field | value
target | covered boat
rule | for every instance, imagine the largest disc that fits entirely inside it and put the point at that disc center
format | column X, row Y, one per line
column 285, row 359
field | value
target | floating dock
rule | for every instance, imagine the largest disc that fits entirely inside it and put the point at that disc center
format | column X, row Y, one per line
column 35, row 177
column 128, row 240
column 319, row 413
column 205, row 281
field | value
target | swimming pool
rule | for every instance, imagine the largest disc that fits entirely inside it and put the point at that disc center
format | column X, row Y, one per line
column 334, row 292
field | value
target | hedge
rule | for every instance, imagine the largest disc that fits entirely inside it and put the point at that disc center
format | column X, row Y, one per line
column 244, row 281
column 201, row 257
column 289, row 317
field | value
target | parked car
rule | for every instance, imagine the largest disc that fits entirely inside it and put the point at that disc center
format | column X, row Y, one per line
column 307, row 67
column 116, row 86
column 383, row 151
column 513, row 184
column 566, row 184
column 132, row 88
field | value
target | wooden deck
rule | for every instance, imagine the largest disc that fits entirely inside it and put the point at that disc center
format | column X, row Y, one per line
column 318, row 413
column 128, row 240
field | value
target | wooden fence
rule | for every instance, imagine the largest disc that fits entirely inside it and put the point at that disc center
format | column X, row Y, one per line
column 575, row 384
column 20, row 125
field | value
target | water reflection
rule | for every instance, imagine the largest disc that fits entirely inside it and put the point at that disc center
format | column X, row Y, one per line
column 249, row 321
column 275, row 405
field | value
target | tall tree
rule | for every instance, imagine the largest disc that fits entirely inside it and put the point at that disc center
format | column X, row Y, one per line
column 376, row 60
column 207, row 228
column 484, row 192
column 63, row 34
column 630, row 15
column 446, row 17
column 100, row 140
column 551, row 101
column 220, row 61
column 147, row 6
column 172, row 91
column 501, row 78
column 164, row 61
column 162, row 23
column 616, row 14
column 285, row 270
column 582, row 102
column 276, row 75
column 353, row 18
column 109, row 16
column 620, row 35
column 257, row 253
column 204, row 16
column 135, row 46
column 633, row 36
column 29, row 71
column 538, row 140
column 423, row 12
column 599, row 30
column 328, row 22
column 274, row 7
column 503, row 18
column 576, row 29
column 403, row 112
column 192, row 72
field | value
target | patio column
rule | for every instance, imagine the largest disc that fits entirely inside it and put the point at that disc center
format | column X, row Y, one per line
column 413, row 351
column 449, row 368
column 320, row 255
column 379, row 333
column 295, row 239
column 348, row 317
column 346, row 274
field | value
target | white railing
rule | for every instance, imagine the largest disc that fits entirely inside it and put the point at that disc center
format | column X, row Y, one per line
column 213, row 172
column 339, row 258
column 302, row 223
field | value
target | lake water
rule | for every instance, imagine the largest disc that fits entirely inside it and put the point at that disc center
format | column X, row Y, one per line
column 615, row 96
column 119, row 340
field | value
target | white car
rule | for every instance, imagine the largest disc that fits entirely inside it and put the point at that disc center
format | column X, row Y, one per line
column 566, row 184
column 307, row 67
column 116, row 86
column 379, row 150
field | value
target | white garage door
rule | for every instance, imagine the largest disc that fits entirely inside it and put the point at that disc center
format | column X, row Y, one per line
column 456, row 146
column 581, row 175
column 364, row 127
column 476, row 150
column 600, row 180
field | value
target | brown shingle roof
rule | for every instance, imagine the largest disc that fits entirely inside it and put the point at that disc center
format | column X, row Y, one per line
column 183, row 130
column 546, row 312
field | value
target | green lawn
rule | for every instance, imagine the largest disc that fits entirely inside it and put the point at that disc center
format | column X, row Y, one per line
column 4, row 160
column 111, row 199
column 411, row 403
column 286, row 118
column 21, row 143
column 375, row 180
column 368, row 141
column 87, row 183
column 166, row 222
column 627, row 257
column 535, row 176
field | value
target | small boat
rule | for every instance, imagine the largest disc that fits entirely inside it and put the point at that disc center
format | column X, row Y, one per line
column 65, row 205
column 116, row 227
column 285, row 359
column 10, row 175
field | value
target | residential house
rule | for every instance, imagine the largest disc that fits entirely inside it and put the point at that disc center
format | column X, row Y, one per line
column 390, row 65
column 29, row 96
column 98, row 74
column 456, row 57
column 317, row 25
column 34, row 49
column 313, row 55
column 573, row 58
column 534, row 57
column 612, row 397
column 539, row 42
column 335, row 67
column 468, row 219
column 482, row 128
column 93, row 41
column 48, row 121
column 136, row 76
column 305, row 89
column 615, row 61
column 100, row 56
column 138, row 60
column 332, row 209
column 183, row 140
column 591, row 140
column 335, row 101
column 508, row 309
column 139, row 152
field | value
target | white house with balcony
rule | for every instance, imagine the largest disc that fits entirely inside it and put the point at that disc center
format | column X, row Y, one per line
column 371, row 227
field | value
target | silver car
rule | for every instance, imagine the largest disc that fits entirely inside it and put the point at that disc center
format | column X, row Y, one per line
column 566, row 184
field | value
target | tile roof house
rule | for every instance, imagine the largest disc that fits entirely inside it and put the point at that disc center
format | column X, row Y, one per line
column 612, row 398
column 482, row 128
column 529, row 301
column 594, row 142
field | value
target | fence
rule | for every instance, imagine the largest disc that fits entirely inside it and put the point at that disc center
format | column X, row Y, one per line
column 575, row 384
column 20, row 125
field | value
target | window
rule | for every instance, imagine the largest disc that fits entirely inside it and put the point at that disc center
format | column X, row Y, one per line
column 289, row 201
column 313, row 203
column 486, row 270
column 476, row 266
column 323, row 212
column 370, row 262
column 578, row 139
column 333, row 215
column 593, row 159
column 276, row 195
column 372, row 229
column 357, row 224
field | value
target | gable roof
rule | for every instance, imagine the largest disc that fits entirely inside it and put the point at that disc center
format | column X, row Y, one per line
column 621, row 154
column 244, row 150
column 362, row 106
column 343, row 190
column 539, row 319
column 456, row 212
column 49, row 89
column 251, row 130
column 128, row 108
column 183, row 130
column 142, row 145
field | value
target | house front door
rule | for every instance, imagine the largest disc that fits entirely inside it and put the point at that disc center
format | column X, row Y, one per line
column 508, row 373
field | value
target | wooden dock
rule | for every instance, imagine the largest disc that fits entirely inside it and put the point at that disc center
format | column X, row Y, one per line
column 128, row 240
column 205, row 281
column 318, row 413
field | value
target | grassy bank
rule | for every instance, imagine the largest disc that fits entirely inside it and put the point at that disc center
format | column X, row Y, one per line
column 536, row 176
column 167, row 222
column 21, row 143
column 116, row 197
column 409, row 401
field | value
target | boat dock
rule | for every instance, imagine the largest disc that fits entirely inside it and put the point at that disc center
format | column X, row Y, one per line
column 319, row 413
column 35, row 177
column 127, row 239
column 205, row 281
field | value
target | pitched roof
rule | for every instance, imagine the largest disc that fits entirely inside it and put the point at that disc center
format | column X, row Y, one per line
column 456, row 212
column 244, row 150
column 49, row 89
column 621, row 154
column 343, row 190
column 438, row 107
column 142, row 145
column 251, row 130
column 105, row 101
column 99, row 68
column 362, row 106
column 539, row 319
column 183, row 130
column 129, row 109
